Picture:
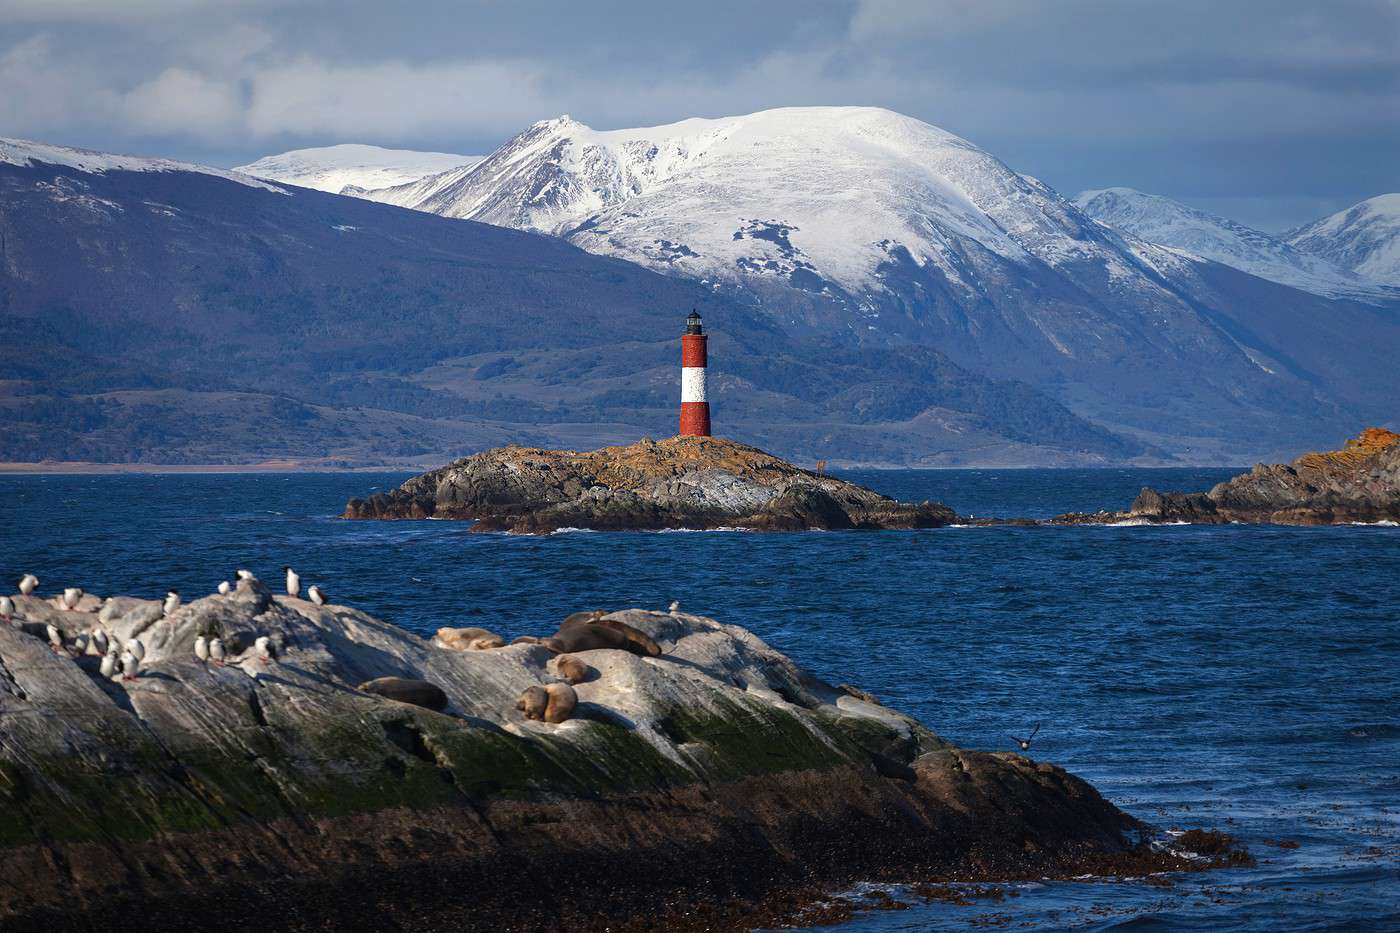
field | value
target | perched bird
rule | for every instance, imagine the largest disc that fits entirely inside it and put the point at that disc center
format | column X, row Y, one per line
column 1026, row 742
column 71, row 596
column 316, row 595
column 675, row 606
column 244, row 575
column 131, row 666
column 266, row 650
column 108, row 667
column 7, row 608
column 224, row 588
column 201, row 648
column 172, row 602
column 80, row 644
column 99, row 640
column 55, row 637
column 28, row 584
column 293, row 582
column 216, row 651
column 136, row 648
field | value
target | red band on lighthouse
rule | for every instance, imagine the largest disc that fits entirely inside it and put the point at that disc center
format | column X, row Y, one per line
column 695, row 407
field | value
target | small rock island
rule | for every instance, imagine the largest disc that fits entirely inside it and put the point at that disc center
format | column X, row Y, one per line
column 324, row 769
column 1358, row 484
column 682, row 482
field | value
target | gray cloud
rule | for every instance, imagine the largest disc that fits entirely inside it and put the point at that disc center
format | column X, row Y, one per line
column 1273, row 108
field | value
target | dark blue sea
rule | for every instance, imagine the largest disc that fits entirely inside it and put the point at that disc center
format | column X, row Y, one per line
column 1240, row 678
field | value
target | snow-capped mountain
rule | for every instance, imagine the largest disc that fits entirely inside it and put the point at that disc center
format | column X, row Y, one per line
column 1165, row 222
column 24, row 152
column 866, row 226
column 1364, row 238
column 353, row 166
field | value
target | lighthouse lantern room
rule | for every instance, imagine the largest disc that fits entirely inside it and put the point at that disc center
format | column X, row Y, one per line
column 695, row 408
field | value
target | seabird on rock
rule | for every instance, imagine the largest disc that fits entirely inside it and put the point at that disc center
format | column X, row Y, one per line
column 201, row 648
column 266, row 650
column 7, row 608
column 108, row 667
column 1026, row 742
column 224, row 588
column 293, row 582
column 28, row 584
column 136, row 648
column 131, row 666
column 99, row 640
column 55, row 637
column 80, row 644
column 675, row 606
column 244, row 575
column 315, row 594
column 71, row 596
column 172, row 602
column 216, row 651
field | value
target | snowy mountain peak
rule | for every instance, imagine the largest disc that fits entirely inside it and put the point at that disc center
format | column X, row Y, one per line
column 353, row 165
column 1364, row 238
column 1165, row 222
column 27, row 152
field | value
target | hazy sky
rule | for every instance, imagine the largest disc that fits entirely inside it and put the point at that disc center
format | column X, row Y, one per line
column 1272, row 112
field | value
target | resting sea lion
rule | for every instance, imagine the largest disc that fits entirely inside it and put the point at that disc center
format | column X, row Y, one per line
column 418, row 692
column 562, row 701
column 467, row 639
column 533, row 702
column 572, row 669
column 606, row 633
column 579, row 618
column 527, row 640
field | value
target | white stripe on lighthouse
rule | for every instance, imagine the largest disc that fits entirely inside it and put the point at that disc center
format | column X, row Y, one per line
column 692, row 383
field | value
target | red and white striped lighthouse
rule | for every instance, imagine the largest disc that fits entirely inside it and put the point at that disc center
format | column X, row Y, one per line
column 695, row 409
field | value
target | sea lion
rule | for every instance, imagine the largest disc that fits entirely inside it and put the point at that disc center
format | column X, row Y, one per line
column 580, row 618
column 467, row 639
column 562, row 701
column 526, row 640
column 533, row 702
column 572, row 669
column 606, row 633
column 418, row 692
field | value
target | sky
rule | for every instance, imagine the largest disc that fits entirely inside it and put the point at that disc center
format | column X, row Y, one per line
column 1270, row 112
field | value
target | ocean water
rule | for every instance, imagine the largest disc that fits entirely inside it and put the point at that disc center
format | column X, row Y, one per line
column 1240, row 678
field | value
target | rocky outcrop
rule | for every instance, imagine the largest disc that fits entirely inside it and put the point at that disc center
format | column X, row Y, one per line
column 683, row 482
column 1359, row 483
column 714, row 784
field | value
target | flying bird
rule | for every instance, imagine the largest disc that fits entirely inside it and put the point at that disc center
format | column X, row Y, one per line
column 293, row 582
column 316, row 594
column 1026, row 742
column 28, row 584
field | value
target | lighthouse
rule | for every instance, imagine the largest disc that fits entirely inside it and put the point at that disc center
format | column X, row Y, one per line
column 695, row 408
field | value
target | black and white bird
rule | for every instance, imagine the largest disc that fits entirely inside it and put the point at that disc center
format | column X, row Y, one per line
column 55, row 637
column 136, row 648
column 80, row 644
column 265, row 649
column 244, row 575
column 675, row 606
column 28, row 584
column 225, row 588
column 1026, row 742
column 201, row 648
column 99, row 640
column 293, row 582
column 216, row 651
column 71, row 596
column 131, row 665
column 108, row 667
column 172, row 603
column 316, row 595
column 7, row 608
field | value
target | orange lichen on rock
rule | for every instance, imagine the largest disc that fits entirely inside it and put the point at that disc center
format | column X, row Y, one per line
column 1366, row 444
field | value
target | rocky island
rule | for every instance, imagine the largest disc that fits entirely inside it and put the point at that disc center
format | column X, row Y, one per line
column 1358, row 484
column 323, row 769
column 681, row 482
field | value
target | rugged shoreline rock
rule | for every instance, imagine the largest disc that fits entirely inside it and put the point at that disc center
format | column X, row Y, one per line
column 712, row 785
column 1358, row 484
column 681, row 482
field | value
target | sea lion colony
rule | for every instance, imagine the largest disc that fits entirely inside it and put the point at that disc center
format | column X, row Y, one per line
column 120, row 658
